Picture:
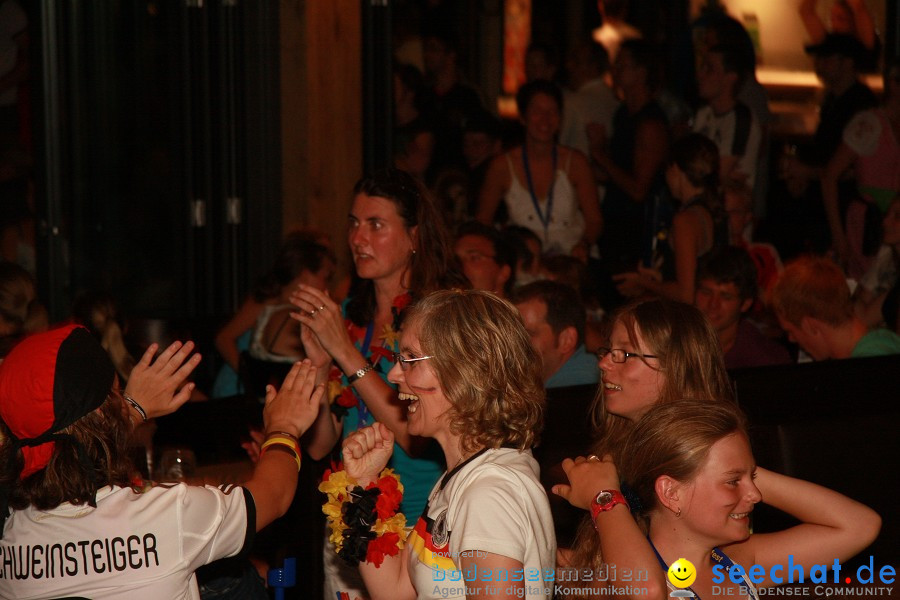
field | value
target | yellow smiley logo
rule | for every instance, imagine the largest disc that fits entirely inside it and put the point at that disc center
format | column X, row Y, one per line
column 682, row 573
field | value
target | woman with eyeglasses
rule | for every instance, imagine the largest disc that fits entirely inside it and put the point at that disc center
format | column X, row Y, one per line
column 659, row 351
column 473, row 383
column 401, row 251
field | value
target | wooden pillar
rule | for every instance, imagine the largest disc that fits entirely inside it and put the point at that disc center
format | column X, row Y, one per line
column 321, row 113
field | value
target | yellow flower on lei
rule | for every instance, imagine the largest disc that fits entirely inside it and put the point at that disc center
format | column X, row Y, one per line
column 396, row 524
column 334, row 389
column 389, row 337
column 336, row 486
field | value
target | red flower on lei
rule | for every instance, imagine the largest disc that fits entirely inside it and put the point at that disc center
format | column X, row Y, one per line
column 391, row 496
column 387, row 544
column 402, row 301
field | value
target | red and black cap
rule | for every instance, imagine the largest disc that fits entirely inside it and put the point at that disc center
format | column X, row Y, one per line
column 47, row 382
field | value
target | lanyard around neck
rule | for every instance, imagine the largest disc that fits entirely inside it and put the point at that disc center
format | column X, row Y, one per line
column 718, row 556
column 545, row 218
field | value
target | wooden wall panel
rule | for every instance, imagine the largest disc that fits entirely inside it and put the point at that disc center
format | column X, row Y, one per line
column 321, row 111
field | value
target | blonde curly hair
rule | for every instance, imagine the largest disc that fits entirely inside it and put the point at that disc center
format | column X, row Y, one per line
column 486, row 366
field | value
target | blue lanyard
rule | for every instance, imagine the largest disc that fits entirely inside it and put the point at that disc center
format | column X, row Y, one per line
column 720, row 559
column 545, row 218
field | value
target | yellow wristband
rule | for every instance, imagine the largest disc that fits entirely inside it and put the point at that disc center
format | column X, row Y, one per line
column 284, row 448
column 279, row 442
column 277, row 439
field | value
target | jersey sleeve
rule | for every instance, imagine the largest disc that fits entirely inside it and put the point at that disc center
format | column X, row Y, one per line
column 215, row 523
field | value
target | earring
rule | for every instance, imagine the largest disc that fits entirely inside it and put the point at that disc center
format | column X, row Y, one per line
column 678, row 513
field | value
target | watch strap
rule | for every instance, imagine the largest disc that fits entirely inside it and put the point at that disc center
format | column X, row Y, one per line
column 606, row 500
column 359, row 374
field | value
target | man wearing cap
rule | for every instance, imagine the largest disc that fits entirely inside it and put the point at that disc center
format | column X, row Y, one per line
column 837, row 60
column 79, row 525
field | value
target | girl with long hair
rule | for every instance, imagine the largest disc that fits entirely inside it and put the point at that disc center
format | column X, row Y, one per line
column 698, row 226
column 659, row 351
column 694, row 486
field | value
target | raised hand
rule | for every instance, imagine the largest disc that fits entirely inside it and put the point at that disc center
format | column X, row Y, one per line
column 155, row 384
column 294, row 407
column 313, row 349
column 367, row 451
column 322, row 316
column 587, row 476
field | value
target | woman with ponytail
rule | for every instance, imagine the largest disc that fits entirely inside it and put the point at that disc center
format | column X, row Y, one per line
column 698, row 227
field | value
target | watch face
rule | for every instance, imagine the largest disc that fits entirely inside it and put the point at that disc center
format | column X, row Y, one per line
column 603, row 498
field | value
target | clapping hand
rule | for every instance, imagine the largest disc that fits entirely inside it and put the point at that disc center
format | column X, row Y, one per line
column 294, row 407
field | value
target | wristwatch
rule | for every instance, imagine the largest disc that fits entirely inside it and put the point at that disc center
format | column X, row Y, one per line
column 351, row 379
column 606, row 500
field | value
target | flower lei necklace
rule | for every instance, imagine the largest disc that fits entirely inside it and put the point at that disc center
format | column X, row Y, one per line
column 364, row 522
column 342, row 396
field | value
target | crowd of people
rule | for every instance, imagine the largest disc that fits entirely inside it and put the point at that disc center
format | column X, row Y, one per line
column 527, row 368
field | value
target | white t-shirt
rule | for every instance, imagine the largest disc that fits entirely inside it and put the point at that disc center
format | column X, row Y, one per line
column 594, row 102
column 493, row 503
column 721, row 128
column 139, row 546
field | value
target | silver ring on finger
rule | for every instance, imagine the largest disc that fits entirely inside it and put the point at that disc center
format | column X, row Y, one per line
column 594, row 457
column 312, row 313
column 321, row 308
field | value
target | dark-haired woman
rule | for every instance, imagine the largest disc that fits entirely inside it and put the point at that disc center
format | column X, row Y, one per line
column 262, row 325
column 401, row 251
column 547, row 188
column 697, row 227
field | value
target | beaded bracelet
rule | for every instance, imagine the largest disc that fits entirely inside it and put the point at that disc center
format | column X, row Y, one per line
column 134, row 404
